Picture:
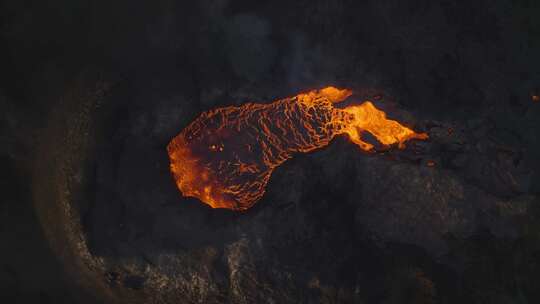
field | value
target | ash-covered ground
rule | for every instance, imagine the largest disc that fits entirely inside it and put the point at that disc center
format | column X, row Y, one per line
column 106, row 86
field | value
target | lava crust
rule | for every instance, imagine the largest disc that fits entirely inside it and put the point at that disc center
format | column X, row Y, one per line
column 226, row 156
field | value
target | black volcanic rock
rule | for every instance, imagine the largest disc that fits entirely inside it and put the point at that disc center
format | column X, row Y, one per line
column 92, row 91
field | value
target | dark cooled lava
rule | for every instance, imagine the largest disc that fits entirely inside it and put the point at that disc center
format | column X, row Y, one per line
column 226, row 156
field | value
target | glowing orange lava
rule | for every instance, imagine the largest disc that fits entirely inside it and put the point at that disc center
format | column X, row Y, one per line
column 225, row 157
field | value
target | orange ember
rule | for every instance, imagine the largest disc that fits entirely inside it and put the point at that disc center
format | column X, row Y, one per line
column 225, row 157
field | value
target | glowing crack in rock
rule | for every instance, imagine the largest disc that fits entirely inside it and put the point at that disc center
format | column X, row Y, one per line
column 225, row 157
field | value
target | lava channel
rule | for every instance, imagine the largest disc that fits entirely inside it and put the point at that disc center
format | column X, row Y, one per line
column 226, row 156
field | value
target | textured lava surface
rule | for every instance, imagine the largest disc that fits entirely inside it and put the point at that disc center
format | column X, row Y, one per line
column 226, row 156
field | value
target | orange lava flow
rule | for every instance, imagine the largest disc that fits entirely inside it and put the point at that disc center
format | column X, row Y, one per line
column 225, row 157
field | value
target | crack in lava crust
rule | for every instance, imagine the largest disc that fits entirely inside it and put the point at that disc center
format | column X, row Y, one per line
column 225, row 157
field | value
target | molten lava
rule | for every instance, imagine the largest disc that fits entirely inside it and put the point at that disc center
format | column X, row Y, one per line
column 225, row 157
